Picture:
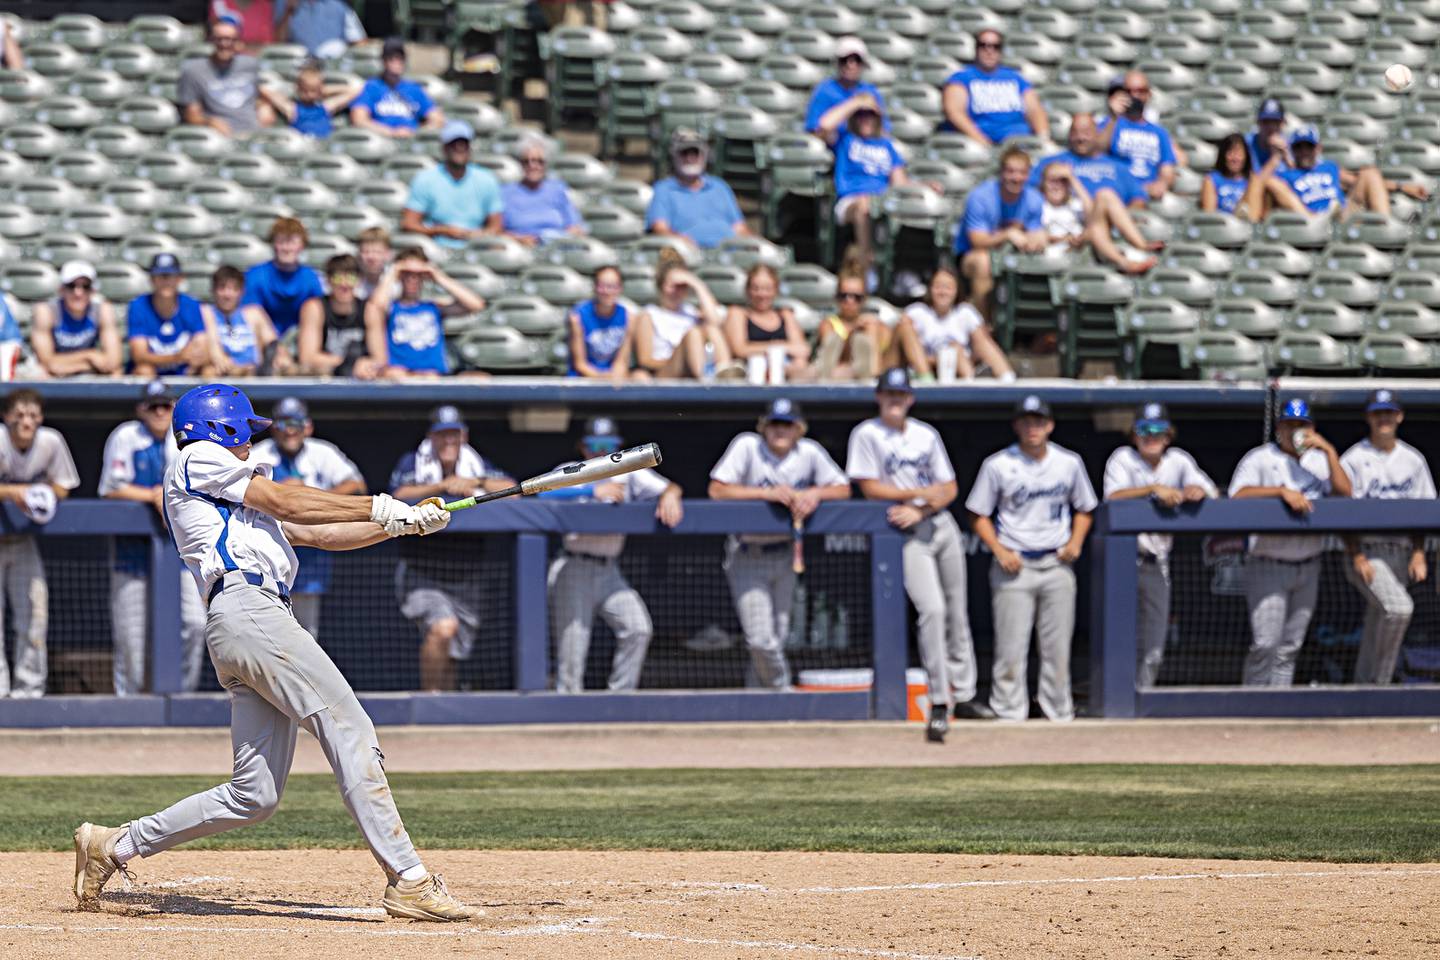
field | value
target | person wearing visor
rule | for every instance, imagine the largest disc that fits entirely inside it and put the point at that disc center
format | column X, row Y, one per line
column 585, row 577
column 76, row 333
column 851, row 57
column 692, row 204
column 297, row 458
column 455, row 200
column 1152, row 467
column 166, row 327
column 1282, row 570
column 1381, row 567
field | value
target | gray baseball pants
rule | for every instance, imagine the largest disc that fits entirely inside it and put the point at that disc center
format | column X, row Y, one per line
column 306, row 607
column 578, row 587
column 1040, row 598
column 1152, row 618
column 1281, row 597
column 762, row 583
column 280, row 680
column 1387, row 612
column 934, row 562
column 23, row 587
column 130, row 623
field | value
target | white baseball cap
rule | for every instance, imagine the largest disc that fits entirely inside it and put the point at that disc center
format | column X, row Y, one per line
column 851, row 46
column 76, row 270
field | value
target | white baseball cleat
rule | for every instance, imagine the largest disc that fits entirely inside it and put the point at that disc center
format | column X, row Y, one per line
column 426, row 899
column 95, row 861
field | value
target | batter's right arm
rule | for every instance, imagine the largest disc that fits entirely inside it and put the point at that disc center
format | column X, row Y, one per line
column 310, row 506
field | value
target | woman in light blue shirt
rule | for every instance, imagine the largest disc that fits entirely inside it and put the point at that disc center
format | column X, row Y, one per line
column 538, row 207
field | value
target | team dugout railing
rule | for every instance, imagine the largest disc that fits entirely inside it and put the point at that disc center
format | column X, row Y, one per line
column 1210, row 632
column 528, row 530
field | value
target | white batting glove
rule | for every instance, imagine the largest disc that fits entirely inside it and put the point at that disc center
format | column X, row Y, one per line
column 401, row 526
column 432, row 516
column 384, row 508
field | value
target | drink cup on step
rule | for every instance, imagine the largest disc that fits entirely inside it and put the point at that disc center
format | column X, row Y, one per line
column 775, row 353
column 945, row 360
column 755, row 368
column 9, row 360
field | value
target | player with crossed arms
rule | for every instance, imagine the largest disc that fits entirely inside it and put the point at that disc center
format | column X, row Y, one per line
column 1031, row 505
column 1384, row 467
column 776, row 463
column 234, row 528
column 1154, row 468
column 1282, row 571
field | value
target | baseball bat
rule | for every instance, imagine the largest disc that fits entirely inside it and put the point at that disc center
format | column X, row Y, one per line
column 797, row 536
column 573, row 474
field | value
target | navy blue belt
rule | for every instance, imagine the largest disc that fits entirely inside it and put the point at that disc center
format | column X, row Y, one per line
column 1036, row 554
column 763, row 547
column 255, row 580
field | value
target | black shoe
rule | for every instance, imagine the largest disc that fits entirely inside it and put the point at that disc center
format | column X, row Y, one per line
column 939, row 724
column 976, row 709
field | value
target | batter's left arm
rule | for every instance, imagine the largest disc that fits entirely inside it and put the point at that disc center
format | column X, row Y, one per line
column 334, row 536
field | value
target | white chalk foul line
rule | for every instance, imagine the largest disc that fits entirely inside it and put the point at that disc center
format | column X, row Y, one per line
column 1140, row 878
column 792, row 947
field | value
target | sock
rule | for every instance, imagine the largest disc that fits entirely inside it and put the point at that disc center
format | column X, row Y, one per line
column 125, row 848
column 417, row 872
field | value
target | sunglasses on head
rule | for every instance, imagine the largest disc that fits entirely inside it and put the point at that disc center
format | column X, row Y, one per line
column 603, row 444
column 849, row 296
column 79, row 285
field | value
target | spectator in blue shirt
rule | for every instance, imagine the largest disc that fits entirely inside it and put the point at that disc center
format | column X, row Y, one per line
column 456, row 200
column 850, row 55
column 691, row 203
column 392, row 105
column 537, row 207
column 285, row 288
column 1145, row 145
column 311, row 109
column 989, row 102
column 405, row 336
column 327, row 28
column 1312, row 180
column 999, row 211
column 1234, row 187
column 1268, row 137
column 165, row 327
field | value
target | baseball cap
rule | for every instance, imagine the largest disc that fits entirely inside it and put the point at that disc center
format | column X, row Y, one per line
column 896, row 378
column 783, row 410
column 1295, row 409
column 456, row 130
column 393, row 47
column 851, row 47
column 446, row 417
column 156, row 391
column 601, row 432
column 685, row 138
column 76, row 270
column 231, row 20
column 291, row 409
column 1382, row 400
column 1305, row 134
column 1270, row 109
column 165, row 265
column 1032, row 406
column 1152, row 415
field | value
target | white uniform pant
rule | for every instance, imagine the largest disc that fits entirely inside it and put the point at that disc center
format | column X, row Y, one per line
column 1040, row 598
column 579, row 586
column 306, row 607
column 130, row 626
column 1281, row 597
column 280, row 680
column 1152, row 617
column 1388, row 610
column 762, row 583
column 24, row 590
column 934, row 562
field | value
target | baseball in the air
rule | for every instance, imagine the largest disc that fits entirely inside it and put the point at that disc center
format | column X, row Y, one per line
column 1398, row 77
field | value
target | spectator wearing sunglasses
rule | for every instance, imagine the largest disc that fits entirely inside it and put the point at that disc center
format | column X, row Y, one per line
column 1137, row 140
column 76, row 333
column 988, row 102
column 538, row 207
column 691, row 203
column 851, row 57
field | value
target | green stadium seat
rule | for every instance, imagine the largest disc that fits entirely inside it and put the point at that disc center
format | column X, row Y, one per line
column 737, row 43
column 557, row 284
column 758, row 17
column 667, row 43
column 285, row 59
column 833, row 19
column 631, row 195
column 1301, row 102
column 613, row 225
column 1262, row 285
column 484, row 117
column 502, row 254
column 971, row 17
column 198, row 143
column 809, row 282
column 1356, row 127
column 533, row 316
column 638, row 282
column 336, row 171
column 887, row 47
column 484, row 281
column 33, row 141
column 255, row 171
column 25, row 86
column 726, row 281
column 503, row 350
column 1409, row 24
column 1268, row 23
column 1396, row 354
column 1106, row 47
column 54, row 59
column 364, row 146
column 1224, row 101
column 1420, row 255
column 99, row 86
column 1221, row 355
column 959, row 47
column 958, row 149
column 806, row 317
column 133, row 61
column 19, row 222
column 1339, row 24
column 162, row 84
column 321, row 247
column 258, row 219
column 1423, row 155
column 305, row 196
column 931, row 69
column 1256, row 49
column 387, row 196
column 160, row 33
column 955, row 181
column 580, row 171
column 1296, row 352
column 683, row 15
column 771, row 96
column 646, row 252
column 1036, row 48
column 1150, row 330
column 184, row 222
column 156, row 115
column 505, row 167
column 1185, row 285
column 130, row 194
column 716, row 70
column 1091, row 75
column 793, row 72
column 81, row 31
column 349, row 221
column 1202, row 125
column 1069, row 99
column 139, row 248
column 46, row 194
column 1199, row 256
column 1090, row 298
column 1360, row 258
column 98, row 222
column 1182, row 48
column 1312, row 75
column 403, row 167
column 746, row 252
column 1296, row 229
column 794, row 165
column 285, row 144
column 1409, row 286
column 1049, row 22
column 1331, row 51
column 233, row 250
column 740, row 133
column 910, row 128
column 1408, row 317
column 13, row 166
column 1192, row 21
column 84, row 168
column 811, row 45
column 906, row 20
column 59, row 247
column 582, row 254
column 1366, row 101
column 1333, row 318
column 29, row 280
column 116, row 141
column 1253, row 318
column 121, row 282
column 1384, row 233
column 221, row 197
column 1381, row 52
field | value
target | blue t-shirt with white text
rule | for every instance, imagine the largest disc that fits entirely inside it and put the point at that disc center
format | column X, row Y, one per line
column 165, row 334
column 863, row 165
column 416, row 333
column 1229, row 191
column 405, row 105
column 1318, row 188
column 997, row 104
column 830, row 93
column 1144, row 145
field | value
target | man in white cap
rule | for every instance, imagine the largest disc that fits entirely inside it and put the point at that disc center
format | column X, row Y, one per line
column 457, row 199
column 75, row 333
column 691, row 203
column 851, row 57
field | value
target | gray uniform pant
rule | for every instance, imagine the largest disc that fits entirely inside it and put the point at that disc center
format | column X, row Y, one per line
column 306, row 607
column 1281, row 597
column 934, row 562
column 578, row 587
column 1040, row 598
column 762, row 583
column 1387, row 613
column 130, row 625
column 280, row 680
column 1152, row 618
column 23, row 588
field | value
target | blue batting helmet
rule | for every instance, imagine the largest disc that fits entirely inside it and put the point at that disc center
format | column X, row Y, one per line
column 218, row 412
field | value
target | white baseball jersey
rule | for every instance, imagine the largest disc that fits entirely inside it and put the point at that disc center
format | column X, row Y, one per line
column 1269, row 466
column 213, row 529
column 1401, row 474
column 640, row 485
column 48, row 460
column 749, row 462
column 133, row 455
column 935, row 331
column 318, row 463
column 1031, row 501
column 1126, row 470
column 909, row 458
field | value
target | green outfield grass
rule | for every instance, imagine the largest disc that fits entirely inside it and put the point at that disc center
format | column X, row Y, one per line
column 1233, row 812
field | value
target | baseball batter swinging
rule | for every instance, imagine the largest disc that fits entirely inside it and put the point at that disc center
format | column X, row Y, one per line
column 234, row 528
